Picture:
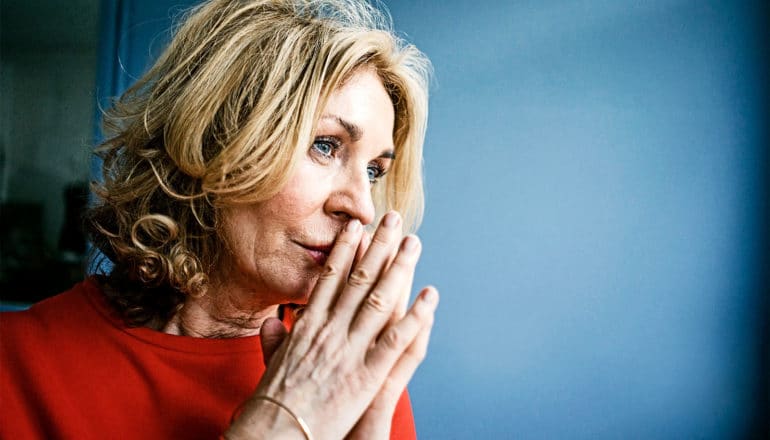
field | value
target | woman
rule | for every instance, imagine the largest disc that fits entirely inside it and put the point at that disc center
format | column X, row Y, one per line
column 239, row 180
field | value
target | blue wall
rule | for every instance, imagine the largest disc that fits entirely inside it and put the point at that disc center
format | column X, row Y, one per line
column 595, row 201
column 595, row 193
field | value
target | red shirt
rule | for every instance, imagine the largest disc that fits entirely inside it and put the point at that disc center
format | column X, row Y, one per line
column 70, row 368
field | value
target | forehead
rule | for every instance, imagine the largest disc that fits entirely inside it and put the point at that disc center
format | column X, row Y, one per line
column 362, row 107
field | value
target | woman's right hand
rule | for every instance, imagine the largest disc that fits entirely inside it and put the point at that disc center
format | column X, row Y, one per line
column 336, row 360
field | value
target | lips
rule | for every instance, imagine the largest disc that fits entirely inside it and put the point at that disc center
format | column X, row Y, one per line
column 319, row 253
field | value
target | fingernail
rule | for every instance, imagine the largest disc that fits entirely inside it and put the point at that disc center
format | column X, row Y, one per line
column 391, row 219
column 353, row 225
column 429, row 296
column 410, row 243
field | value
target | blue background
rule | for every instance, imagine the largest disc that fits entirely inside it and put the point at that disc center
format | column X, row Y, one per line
column 595, row 196
column 596, row 178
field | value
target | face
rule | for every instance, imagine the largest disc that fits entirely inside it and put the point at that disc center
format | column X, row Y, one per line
column 277, row 248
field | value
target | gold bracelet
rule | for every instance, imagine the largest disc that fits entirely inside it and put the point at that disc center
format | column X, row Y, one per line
column 302, row 425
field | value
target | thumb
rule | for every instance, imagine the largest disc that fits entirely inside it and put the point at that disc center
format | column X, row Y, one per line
column 272, row 333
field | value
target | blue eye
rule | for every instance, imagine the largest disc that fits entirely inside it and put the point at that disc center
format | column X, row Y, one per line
column 324, row 147
column 374, row 172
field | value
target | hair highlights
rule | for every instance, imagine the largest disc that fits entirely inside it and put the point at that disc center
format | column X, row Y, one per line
column 221, row 119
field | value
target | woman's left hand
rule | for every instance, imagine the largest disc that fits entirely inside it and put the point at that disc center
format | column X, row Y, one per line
column 376, row 421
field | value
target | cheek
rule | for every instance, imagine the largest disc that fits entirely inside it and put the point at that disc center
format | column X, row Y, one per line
column 260, row 230
column 303, row 194
column 238, row 233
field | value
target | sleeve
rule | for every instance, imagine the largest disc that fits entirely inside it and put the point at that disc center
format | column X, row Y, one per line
column 403, row 420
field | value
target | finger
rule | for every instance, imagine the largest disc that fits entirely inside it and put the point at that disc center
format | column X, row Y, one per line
column 372, row 425
column 392, row 346
column 403, row 299
column 336, row 269
column 378, row 306
column 368, row 271
column 406, row 365
column 363, row 246
column 393, row 389
column 272, row 333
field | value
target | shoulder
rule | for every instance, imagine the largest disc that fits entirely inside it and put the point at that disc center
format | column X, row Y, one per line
column 55, row 339
column 52, row 318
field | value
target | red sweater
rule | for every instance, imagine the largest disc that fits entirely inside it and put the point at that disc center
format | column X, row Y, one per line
column 70, row 368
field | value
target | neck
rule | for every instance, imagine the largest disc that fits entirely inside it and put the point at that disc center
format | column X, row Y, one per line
column 220, row 314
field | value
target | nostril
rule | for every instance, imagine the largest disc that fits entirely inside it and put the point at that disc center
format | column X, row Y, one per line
column 342, row 215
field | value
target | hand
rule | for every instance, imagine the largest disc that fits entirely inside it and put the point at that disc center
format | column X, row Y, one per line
column 344, row 357
column 376, row 421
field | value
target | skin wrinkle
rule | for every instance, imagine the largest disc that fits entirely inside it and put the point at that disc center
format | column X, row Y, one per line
column 226, row 321
column 265, row 259
column 354, row 131
column 243, row 129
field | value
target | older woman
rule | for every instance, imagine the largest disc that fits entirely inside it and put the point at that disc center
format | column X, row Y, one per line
column 239, row 184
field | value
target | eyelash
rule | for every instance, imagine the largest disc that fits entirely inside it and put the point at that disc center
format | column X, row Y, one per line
column 334, row 144
column 379, row 172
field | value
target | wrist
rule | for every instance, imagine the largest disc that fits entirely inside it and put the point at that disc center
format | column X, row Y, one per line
column 262, row 419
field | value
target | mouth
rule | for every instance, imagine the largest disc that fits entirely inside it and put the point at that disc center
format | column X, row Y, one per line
column 318, row 252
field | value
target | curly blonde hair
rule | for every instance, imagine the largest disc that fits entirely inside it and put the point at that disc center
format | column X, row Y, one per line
column 221, row 119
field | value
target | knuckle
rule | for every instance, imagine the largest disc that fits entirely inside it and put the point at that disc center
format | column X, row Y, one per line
column 360, row 277
column 406, row 259
column 381, row 238
column 404, row 262
column 302, row 326
column 330, row 271
column 378, row 301
column 392, row 338
column 345, row 240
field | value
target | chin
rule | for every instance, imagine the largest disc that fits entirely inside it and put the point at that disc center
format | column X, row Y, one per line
column 304, row 297
column 297, row 292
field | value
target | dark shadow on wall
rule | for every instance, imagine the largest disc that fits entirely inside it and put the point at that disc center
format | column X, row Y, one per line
column 29, row 270
column 47, row 86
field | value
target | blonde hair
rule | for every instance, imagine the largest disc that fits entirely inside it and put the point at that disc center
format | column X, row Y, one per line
column 222, row 118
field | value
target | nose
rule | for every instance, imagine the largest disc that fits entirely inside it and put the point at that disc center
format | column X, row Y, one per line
column 352, row 197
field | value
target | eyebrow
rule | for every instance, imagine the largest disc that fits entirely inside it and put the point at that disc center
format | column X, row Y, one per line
column 388, row 154
column 355, row 132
